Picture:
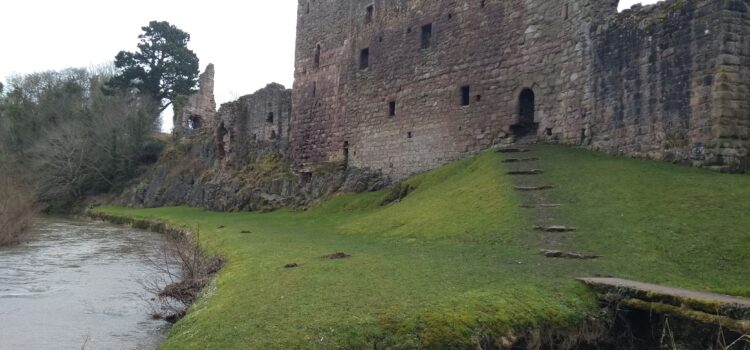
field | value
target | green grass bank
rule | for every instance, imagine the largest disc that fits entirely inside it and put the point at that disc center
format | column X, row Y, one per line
column 456, row 263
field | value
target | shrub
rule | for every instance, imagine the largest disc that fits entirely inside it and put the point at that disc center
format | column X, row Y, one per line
column 16, row 210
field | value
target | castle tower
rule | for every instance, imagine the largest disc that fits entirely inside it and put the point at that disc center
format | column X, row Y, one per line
column 199, row 110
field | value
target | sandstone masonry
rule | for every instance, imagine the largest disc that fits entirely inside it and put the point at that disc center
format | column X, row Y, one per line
column 199, row 110
column 402, row 86
column 255, row 124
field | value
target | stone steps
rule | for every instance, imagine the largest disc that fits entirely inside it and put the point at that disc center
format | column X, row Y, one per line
column 543, row 206
column 533, row 188
column 513, row 150
column 567, row 255
column 555, row 229
column 526, row 172
column 520, row 160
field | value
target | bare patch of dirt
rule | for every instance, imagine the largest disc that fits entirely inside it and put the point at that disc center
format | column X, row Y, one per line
column 337, row 256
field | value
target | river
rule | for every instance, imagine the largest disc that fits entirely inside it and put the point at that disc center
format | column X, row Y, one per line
column 78, row 282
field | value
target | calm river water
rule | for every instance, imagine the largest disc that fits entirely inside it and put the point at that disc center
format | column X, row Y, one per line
column 77, row 282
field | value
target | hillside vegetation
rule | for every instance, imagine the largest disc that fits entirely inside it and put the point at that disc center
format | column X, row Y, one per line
column 455, row 263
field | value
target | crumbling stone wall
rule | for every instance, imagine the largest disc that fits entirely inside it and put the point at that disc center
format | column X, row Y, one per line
column 198, row 111
column 254, row 124
column 671, row 82
column 383, row 84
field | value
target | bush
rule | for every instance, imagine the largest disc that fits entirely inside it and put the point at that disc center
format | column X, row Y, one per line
column 16, row 210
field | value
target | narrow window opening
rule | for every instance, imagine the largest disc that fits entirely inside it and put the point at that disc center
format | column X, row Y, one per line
column 548, row 131
column 364, row 59
column 346, row 154
column 315, row 88
column 479, row 98
column 368, row 14
column 273, row 135
column 392, row 109
column 317, row 57
column 308, row 8
column 583, row 136
column 465, row 95
column 566, row 12
column 481, row 4
column 269, row 118
column 408, row 134
column 450, row 16
column 426, row 36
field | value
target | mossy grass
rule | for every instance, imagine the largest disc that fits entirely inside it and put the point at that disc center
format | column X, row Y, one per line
column 455, row 262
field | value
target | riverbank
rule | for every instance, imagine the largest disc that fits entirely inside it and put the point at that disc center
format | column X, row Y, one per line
column 455, row 264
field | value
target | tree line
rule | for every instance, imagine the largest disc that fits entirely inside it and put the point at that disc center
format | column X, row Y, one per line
column 66, row 135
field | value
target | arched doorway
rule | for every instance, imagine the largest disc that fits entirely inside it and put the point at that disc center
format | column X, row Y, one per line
column 526, row 109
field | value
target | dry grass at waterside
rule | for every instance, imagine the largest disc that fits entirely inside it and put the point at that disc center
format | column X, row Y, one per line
column 16, row 209
column 455, row 264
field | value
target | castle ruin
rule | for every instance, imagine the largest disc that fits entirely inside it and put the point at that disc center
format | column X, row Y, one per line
column 402, row 86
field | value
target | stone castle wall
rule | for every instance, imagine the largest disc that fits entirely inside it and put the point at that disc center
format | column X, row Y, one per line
column 670, row 82
column 664, row 82
column 255, row 124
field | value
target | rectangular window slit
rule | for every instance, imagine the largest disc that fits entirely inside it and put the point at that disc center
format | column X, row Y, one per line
column 368, row 14
column 426, row 36
column 364, row 59
column 392, row 109
column 465, row 95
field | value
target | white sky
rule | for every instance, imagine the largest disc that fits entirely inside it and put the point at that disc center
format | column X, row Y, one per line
column 251, row 42
column 625, row 4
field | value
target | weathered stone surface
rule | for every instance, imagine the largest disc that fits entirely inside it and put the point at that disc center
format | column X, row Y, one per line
column 533, row 188
column 526, row 172
column 253, row 125
column 666, row 82
column 199, row 111
column 555, row 228
column 567, row 255
column 239, row 159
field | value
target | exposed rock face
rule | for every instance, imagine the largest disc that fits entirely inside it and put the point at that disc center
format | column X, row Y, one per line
column 199, row 111
column 404, row 86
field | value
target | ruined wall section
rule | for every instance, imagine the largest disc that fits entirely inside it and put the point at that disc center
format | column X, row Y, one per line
column 198, row 111
column 253, row 125
column 670, row 83
column 403, row 113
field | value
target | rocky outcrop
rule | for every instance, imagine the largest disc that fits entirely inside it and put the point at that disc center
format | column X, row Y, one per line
column 198, row 111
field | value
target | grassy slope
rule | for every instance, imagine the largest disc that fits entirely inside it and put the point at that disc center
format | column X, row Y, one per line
column 655, row 221
column 455, row 261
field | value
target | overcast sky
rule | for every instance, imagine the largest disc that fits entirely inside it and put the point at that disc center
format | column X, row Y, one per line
column 251, row 42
